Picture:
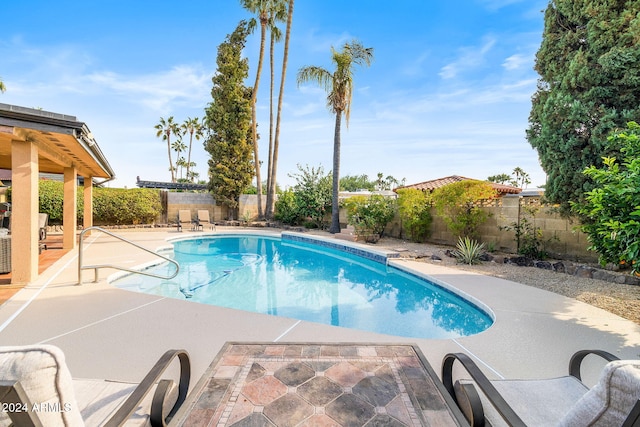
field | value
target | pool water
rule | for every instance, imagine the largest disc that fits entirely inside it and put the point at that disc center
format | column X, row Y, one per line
column 312, row 283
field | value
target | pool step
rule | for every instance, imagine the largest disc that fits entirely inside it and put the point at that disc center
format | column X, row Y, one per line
column 348, row 234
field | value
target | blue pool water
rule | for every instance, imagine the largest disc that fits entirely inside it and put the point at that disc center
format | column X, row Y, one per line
column 313, row 283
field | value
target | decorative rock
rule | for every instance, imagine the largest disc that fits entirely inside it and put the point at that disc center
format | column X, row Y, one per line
column 571, row 269
column 559, row 267
column 486, row 257
column 545, row 265
column 436, row 258
column 520, row 261
column 585, row 272
column 631, row 280
column 603, row 275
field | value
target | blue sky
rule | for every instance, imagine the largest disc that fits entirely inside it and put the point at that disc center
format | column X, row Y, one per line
column 449, row 91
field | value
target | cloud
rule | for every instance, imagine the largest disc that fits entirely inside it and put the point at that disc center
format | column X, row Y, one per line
column 162, row 91
column 498, row 4
column 516, row 61
column 470, row 58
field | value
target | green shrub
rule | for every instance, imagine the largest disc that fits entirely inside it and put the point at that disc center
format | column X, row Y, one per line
column 286, row 208
column 468, row 251
column 313, row 192
column 111, row 206
column 370, row 215
column 115, row 206
column 414, row 207
column 611, row 211
column 528, row 237
column 457, row 203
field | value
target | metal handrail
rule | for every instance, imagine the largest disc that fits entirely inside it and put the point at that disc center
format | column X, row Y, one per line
column 97, row 266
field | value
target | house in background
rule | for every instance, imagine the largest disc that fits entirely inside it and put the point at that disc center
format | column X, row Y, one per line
column 429, row 186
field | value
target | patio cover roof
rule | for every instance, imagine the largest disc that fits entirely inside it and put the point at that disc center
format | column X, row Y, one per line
column 62, row 141
column 35, row 141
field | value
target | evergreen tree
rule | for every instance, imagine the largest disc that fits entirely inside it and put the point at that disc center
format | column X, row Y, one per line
column 228, row 118
column 589, row 63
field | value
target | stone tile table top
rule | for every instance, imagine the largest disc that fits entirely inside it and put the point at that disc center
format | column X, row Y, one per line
column 273, row 384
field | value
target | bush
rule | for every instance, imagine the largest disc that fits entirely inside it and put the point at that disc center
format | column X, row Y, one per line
column 286, row 208
column 528, row 237
column 457, row 203
column 370, row 215
column 116, row 206
column 111, row 206
column 313, row 192
column 611, row 211
column 414, row 207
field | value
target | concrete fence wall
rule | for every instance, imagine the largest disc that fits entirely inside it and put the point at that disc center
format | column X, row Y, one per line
column 561, row 236
column 174, row 201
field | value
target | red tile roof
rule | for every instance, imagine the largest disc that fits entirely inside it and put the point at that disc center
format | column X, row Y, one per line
column 441, row 182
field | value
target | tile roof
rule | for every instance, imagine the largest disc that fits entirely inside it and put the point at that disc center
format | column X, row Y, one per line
column 441, row 182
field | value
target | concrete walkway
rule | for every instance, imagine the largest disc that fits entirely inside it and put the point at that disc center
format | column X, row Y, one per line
column 107, row 332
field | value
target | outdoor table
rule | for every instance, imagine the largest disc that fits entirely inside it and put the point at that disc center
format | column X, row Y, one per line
column 324, row 384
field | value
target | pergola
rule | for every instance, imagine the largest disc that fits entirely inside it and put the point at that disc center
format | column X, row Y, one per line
column 33, row 141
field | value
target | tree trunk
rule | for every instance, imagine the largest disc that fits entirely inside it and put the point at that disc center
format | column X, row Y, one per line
column 335, row 205
column 189, row 155
column 173, row 177
column 254, row 123
column 276, row 141
column 270, row 177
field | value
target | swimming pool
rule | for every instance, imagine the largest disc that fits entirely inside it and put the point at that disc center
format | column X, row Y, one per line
column 294, row 277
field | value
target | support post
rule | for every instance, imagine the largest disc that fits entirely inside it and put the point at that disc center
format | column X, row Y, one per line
column 70, row 204
column 24, row 221
column 87, row 220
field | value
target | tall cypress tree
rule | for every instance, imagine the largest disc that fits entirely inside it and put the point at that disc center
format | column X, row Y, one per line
column 228, row 118
column 589, row 63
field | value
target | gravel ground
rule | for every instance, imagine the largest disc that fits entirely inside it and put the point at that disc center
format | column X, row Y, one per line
column 622, row 300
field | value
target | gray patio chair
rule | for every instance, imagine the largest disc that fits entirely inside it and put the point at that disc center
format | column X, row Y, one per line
column 564, row 401
column 36, row 389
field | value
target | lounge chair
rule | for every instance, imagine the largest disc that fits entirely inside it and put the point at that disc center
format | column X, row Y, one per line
column 43, row 221
column 184, row 218
column 36, row 389
column 564, row 401
column 204, row 219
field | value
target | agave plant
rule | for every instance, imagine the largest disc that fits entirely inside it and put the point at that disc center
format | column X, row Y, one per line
column 468, row 251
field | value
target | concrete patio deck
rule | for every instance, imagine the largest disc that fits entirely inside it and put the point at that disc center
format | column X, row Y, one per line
column 107, row 332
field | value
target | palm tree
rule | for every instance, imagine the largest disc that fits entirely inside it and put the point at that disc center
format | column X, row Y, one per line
column 179, row 146
column 194, row 128
column 2, row 86
column 165, row 128
column 262, row 8
column 339, row 88
column 278, row 14
column 276, row 140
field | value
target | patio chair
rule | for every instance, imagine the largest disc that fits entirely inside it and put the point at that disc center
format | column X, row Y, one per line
column 204, row 219
column 36, row 389
column 564, row 401
column 184, row 218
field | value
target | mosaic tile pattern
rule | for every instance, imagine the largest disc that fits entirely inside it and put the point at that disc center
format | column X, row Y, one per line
column 318, row 385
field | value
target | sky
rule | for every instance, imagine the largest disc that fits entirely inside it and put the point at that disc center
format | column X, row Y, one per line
column 448, row 92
